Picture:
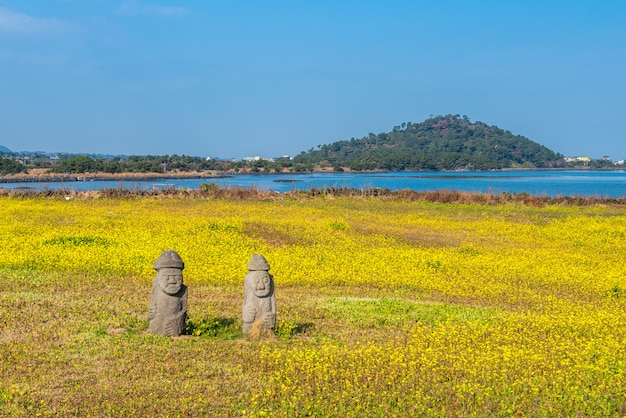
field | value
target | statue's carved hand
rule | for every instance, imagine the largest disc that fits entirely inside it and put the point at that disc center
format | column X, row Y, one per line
column 269, row 320
column 249, row 314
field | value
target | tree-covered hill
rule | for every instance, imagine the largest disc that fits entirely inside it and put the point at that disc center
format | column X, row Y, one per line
column 446, row 142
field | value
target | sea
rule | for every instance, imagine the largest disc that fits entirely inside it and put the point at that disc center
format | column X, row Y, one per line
column 551, row 183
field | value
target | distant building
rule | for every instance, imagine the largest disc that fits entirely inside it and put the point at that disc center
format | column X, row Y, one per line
column 251, row 159
column 258, row 158
column 577, row 159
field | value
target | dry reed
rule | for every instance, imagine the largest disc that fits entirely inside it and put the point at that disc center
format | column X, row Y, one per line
column 212, row 191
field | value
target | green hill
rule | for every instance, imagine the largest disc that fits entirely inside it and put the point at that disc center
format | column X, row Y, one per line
column 4, row 150
column 439, row 143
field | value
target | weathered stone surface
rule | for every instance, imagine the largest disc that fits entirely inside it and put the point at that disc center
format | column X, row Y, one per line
column 259, row 301
column 168, row 305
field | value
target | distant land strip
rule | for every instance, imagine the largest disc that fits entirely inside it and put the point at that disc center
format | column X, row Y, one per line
column 42, row 178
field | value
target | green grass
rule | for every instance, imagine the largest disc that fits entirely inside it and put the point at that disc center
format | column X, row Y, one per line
column 390, row 312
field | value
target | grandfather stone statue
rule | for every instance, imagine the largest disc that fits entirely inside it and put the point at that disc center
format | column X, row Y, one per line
column 259, row 302
column 168, row 304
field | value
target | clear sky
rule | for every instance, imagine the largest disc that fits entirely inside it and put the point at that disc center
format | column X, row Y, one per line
column 236, row 78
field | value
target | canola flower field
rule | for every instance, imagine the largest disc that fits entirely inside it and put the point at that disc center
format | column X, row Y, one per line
column 385, row 308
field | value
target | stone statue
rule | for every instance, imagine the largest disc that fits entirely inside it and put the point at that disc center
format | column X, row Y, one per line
column 259, row 302
column 168, row 305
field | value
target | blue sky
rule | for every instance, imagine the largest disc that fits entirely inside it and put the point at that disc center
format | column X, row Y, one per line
column 270, row 78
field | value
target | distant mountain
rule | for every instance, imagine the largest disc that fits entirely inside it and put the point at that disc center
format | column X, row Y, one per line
column 5, row 150
column 439, row 143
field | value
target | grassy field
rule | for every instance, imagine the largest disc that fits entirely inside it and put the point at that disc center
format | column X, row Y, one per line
column 386, row 307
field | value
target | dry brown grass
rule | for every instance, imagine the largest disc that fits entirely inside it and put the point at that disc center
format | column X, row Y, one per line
column 258, row 331
column 212, row 191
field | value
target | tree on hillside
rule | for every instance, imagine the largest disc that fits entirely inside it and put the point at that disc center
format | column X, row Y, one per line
column 10, row 166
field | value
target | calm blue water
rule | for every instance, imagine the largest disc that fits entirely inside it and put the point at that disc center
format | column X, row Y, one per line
column 536, row 183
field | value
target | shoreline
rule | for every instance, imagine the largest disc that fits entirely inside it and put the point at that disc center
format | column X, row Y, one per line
column 41, row 176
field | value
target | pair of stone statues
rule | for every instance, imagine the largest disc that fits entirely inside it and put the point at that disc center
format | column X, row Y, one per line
column 168, row 304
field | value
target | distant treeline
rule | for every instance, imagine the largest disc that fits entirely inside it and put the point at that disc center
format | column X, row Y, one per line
column 79, row 164
column 440, row 143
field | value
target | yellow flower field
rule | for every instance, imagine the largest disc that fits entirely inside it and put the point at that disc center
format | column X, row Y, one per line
column 385, row 308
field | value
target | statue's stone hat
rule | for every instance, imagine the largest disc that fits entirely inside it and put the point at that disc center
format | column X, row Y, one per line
column 169, row 258
column 258, row 262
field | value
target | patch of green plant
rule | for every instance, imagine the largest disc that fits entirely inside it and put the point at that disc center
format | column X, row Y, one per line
column 212, row 327
column 338, row 226
column 221, row 226
column 78, row 241
column 381, row 312
column 616, row 291
column 209, row 187
column 100, row 330
column 469, row 249
column 286, row 329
